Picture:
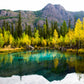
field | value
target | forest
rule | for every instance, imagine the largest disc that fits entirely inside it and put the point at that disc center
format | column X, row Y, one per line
column 53, row 36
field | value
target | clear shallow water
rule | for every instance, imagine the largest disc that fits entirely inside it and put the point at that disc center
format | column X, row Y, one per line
column 51, row 64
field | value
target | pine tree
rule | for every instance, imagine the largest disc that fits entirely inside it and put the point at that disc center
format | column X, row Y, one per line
column 34, row 31
column 74, row 21
column 64, row 28
column 44, row 31
column 16, row 32
column 4, row 24
column 57, row 29
column 7, row 26
column 12, row 29
column 3, row 29
column 19, row 27
column 29, row 31
column 26, row 29
column 61, row 30
column 39, row 29
column 69, row 24
column 52, row 27
column 47, row 28
column 0, row 30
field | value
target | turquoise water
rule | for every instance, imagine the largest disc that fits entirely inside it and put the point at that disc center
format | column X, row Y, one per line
column 51, row 64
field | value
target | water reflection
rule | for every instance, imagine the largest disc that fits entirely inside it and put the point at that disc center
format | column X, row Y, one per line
column 50, row 63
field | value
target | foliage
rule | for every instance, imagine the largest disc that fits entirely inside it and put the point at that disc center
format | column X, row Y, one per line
column 43, row 36
column 1, row 40
column 19, row 26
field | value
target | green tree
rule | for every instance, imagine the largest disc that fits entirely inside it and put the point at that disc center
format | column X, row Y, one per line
column 34, row 31
column 37, row 39
column 69, row 24
column 0, row 30
column 74, row 21
column 1, row 40
column 40, row 31
column 26, row 29
column 7, row 26
column 12, row 29
column 16, row 32
column 3, row 29
column 47, row 28
column 52, row 27
column 64, row 30
column 29, row 31
column 4, row 24
column 19, row 27
column 57, row 29
column 44, row 31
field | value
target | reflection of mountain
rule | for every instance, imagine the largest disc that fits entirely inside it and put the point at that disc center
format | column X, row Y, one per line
column 52, row 64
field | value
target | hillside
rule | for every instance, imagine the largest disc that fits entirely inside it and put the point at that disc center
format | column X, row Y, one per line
column 52, row 12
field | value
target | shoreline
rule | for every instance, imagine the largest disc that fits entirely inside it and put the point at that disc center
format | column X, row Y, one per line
column 11, row 50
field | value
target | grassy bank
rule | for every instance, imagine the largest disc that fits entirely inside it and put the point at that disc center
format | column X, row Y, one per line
column 80, row 51
column 10, row 50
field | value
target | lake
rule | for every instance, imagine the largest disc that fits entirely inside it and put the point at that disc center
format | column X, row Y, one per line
column 51, row 64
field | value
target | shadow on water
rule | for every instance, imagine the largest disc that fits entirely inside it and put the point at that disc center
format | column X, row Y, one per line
column 51, row 64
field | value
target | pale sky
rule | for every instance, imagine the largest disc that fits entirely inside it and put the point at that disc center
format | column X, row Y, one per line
column 70, row 5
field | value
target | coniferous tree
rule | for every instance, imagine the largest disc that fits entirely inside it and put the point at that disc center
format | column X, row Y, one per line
column 12, row 29
column 3, row 29
column 52, row 27
column 19, row 27
column 44, row 31
column 0, row 30
column 64, row 28
column 29, row 31
column 50, row 33
column 61, row 30
column 57, row 29
column 34, row 31
column 26, row 29
column 4, row 24
column 74, row 21
column 16, row 32
column 69, row 24
column 7, row 26
column 47, row 28
column 41, row 32
column 38, row 27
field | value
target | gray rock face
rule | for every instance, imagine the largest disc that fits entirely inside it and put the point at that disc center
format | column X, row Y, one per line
column 52, row 12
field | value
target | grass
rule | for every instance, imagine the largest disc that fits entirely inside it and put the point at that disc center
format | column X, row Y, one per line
column 10, row 50
column 80, row 51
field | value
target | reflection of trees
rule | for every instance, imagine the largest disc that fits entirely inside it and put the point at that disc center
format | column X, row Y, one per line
column 76, row 62
column 45, row 62
column 56, row 61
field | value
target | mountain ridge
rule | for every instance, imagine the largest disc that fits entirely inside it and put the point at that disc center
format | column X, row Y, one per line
column 52, row 12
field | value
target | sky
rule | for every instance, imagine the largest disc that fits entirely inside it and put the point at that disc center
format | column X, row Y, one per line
column 34, row 5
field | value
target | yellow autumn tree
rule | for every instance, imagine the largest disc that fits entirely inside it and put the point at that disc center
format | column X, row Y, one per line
column 25, row 39
column 11, row 39
column 44, row 42
column 78, row 32
column 1, row 40
column 78, row 28
column 55, row 37
column 70, row 37
column 61, row 40
column 37, row 39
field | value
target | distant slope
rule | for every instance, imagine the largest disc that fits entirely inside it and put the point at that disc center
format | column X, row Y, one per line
column 52, row 12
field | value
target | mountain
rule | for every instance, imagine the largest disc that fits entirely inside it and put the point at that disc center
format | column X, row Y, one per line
column 52, row 12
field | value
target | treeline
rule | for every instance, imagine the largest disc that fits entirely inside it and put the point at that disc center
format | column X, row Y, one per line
column 52, row 36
